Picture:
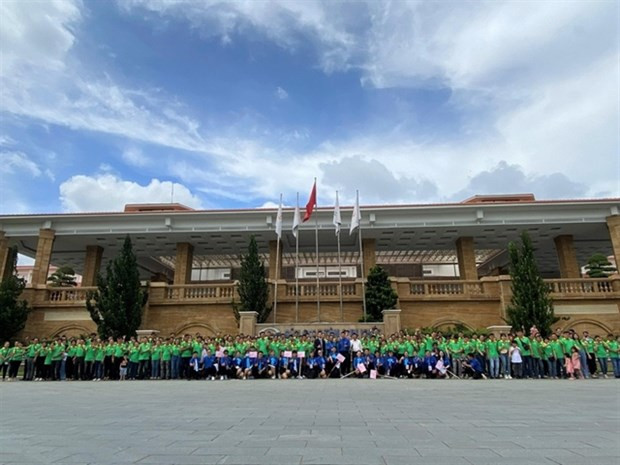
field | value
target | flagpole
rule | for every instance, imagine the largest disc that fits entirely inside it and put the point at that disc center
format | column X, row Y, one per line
column 359, row 228
column 339, row 265
column 297, row 266
column 277, row 274
column 316, row 240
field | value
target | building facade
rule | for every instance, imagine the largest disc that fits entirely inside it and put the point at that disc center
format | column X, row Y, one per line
column 447, row 262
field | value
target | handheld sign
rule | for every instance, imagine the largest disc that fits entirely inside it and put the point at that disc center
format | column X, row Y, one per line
column 219, row 354
column 341, row 358
column 361, row 367
column 373, row 374
column 301, row 354
column 253, row 354
column 288, row 354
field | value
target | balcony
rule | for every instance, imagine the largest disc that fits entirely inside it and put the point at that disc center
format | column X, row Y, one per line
column 491, row 288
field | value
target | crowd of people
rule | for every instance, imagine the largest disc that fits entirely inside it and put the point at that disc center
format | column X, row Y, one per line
column 322, row 354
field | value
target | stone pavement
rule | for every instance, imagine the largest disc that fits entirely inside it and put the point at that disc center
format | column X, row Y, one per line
column 339, row 422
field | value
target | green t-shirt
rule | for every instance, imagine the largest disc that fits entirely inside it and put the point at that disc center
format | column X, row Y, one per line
column 134, row 354
column 32, row 350
column 535, row 349
column 80, row 351
column 71, row 351
column 99, row 354
column 57, row 351
column 503, row 346
column 600, row 350
column 145, row 351
column 613, row 348
column 567, row 345
column 17, row 353
column 547, row 351
column 492, row 349
column 186, row 349
column 522, row 343
column 156, row 353
column 109, row 349
column 119, row 349
column 166, row 352
column 4, row 352
column 48, row 356
column 176, row 351
column 90, row 354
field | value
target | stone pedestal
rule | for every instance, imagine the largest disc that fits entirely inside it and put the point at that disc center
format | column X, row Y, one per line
column 247, row 323
column 391, row 321
column 466, row 256
column 92, row 264
column 499, row 329
column 43, row 257
column 567, row 258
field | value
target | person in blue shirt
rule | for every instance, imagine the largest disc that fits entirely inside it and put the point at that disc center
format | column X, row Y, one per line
column 344, row 349
column 379, row 363
column 390, row 363
column 472, row 367
column 246, row 366
column 194, row 367
column 209, row 365
column 294, row 366
column 272, row 364
column 237, row 365
column 405, row 366
column 358, row 362
column 370, row 359
column 316, row 365
column 283, row 366
column 333, row 365
column 260, row 367
column 430, row 360
column 225, row 366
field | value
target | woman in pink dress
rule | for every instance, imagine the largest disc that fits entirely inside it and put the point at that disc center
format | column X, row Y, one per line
column 576, row 365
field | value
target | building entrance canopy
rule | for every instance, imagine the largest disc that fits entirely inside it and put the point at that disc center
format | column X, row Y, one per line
column 400, row 233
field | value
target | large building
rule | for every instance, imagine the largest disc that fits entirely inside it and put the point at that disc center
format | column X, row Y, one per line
column 448, row 263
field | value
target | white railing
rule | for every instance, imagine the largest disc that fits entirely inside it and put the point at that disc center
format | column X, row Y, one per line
column 446, row 288
column 68, row 294
column 585, row 286
column 200, row 292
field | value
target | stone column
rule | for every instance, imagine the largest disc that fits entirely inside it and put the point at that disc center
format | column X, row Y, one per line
column 247, row 323
column 466, row 256
column 369, row 248
column 273, row 258
column 183, row 263
column 613, row 224
column 569, row 268
column 92, row 265
column 391, row 321
column 7, row 257
column 43, row 257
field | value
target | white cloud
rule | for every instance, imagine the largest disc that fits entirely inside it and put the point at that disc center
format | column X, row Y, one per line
column 107, row 192
column 281, row 93
column 15, row 162
column 134, row 156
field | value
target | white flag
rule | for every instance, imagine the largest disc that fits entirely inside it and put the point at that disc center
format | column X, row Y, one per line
column 296, row 220
column 356, row 215
column 337, row 219
column 279, row 220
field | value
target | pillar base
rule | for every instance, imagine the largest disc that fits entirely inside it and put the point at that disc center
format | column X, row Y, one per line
column 247, row 323
column 391, row 321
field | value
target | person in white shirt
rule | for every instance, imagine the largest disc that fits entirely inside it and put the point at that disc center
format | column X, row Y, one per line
column 356, row 344
column 516, row 360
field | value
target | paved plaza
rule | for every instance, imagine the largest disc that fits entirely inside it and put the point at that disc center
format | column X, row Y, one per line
column 311, row 422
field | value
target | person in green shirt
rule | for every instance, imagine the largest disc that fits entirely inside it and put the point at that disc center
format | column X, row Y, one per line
column 601, row 354
column 492, row 356
column 4, row 358
column 48, row 372
column 89, row 361
column 524, row 344
column 31, row 353
column 503, row 347
column 134, row 359
column 612, row 347
column 58, row 350
column 156, row 350
column 166, row 358
column 98, row 368
column 78, row 361
column 145, row 358
column 538, row 370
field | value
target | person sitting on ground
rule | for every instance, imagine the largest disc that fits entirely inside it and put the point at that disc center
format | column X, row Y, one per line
column 472, row 367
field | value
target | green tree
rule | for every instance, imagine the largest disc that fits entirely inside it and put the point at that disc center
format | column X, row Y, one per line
column 379, row 294
column 62, row 277
column 116, row 307
column 530, row 303
column 599, row 266
column 253, row 289
column 13, row 311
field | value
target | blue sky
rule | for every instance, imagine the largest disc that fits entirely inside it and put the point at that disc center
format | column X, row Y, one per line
column 107, row 103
